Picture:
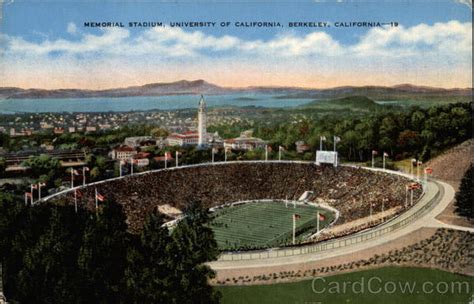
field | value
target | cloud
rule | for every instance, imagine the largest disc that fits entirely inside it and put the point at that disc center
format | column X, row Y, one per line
column 71, row 28
column 88, row 43
column 450, row 38
column 437, row 55
column 465, row 2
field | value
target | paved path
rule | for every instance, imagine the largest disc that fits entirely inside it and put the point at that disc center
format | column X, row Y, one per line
column 446, row 195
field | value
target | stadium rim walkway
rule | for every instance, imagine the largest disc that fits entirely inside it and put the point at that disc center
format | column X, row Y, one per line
column 426, row 220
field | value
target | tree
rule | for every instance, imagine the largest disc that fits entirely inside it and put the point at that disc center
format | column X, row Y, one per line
column 148, row 272
column 465, row 195
column 2, row 166
column 159, row 132
column 49, row 274
column 102, row 256
column 192, row 245
column 43, row 165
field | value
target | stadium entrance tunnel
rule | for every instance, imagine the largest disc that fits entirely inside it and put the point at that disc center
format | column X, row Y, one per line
column 364, row 198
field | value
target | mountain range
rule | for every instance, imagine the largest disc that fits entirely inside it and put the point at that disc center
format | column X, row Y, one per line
column 205, row 88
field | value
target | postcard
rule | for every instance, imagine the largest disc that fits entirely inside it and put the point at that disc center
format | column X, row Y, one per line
column 236, row 152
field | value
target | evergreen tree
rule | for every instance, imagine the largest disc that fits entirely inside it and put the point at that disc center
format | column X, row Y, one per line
column 192, row 245
column 49, row 274
column 148, row 269
column 465, row 195
column 102, row 257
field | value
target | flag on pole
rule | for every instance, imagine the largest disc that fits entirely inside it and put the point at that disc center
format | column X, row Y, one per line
column 41, row 184
column 323, row 138
column 385, row 154
column 337, row 139
column 297, row 216
column 374, row 152
column 428, row 170
column 75, row 172
column 86, row 168
column 100, row 197
column 321, row 217
column 34, row 186
column 419, row 163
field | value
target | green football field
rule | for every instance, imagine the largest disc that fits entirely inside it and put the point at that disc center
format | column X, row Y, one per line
column 264, row 224
column 390, row 285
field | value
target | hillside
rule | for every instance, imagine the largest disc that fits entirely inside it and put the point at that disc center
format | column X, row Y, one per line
column 350, row 102
column 400, row 92
column 453, row 163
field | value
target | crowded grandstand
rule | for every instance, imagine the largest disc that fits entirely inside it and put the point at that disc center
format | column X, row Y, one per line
column 364, row 198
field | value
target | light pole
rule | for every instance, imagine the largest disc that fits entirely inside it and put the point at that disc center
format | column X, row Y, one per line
column 84, row 169
column 385, row 154
column 373, row 158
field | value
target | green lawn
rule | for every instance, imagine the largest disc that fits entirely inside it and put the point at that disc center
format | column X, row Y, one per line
column 426, row 285
column 262, row 224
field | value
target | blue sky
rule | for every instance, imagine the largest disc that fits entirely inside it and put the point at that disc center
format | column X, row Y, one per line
column 46, row 45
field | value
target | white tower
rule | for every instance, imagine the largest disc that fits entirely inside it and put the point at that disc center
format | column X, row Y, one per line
column 202, row 131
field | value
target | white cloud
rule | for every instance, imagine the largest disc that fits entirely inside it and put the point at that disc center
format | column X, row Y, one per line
column 465, row 2
column 450, row 38
column 71, row 28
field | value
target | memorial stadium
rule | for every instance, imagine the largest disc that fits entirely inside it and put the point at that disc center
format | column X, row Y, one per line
column 259, row 204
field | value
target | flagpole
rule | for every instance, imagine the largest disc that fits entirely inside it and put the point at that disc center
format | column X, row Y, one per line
column 31, row 190
column 131, row 166
column 75, row 200
column 373, row 160
column 225, row 154
column 96, row 201
column 334, row 143
column 406, row 196
column 177, row 160
column 320, row 143
column 166, row 160
column 72, row 178
column 266, row 152
column 294, row 228
column 371, row 212
column 120, row 167
column 384, row 161
column 317, row 222
column 83, row 176
column 383, row 207
column 39, row 191
column 411, row 197
column 212, row 151
column 279, row 153
column 26, row 199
